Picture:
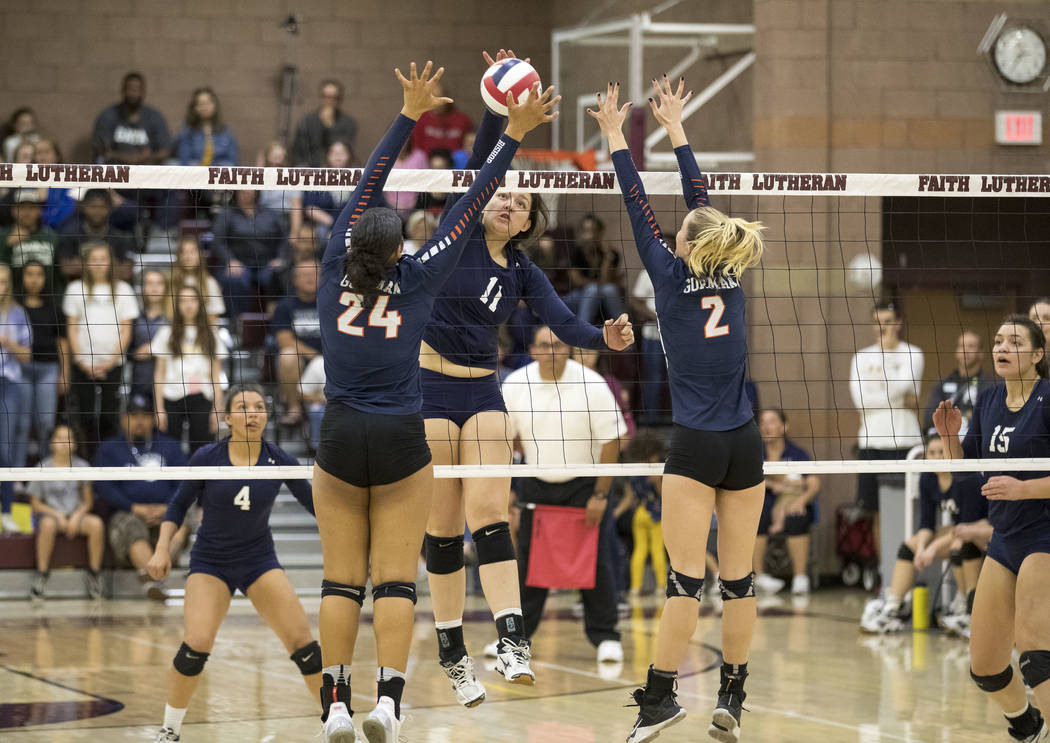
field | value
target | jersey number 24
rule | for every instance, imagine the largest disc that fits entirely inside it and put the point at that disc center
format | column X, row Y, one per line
column 379, row 317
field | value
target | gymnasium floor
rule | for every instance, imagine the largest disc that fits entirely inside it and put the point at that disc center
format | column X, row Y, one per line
column 72, row 671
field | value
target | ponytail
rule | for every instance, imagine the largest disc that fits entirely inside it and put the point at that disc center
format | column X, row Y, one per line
column 373, row 239
column 722, row 245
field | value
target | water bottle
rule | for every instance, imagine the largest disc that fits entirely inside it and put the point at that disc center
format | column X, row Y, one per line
column 920, row 607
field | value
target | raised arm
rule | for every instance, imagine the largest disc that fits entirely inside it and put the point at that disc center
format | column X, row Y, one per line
column 667, row 108
column 544, row 301
column 491, row 124
column 419, row 97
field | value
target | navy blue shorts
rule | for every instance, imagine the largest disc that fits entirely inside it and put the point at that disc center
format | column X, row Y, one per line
column 794, row 526
column 236, row 574
column 1011, row 551
column 458, row 399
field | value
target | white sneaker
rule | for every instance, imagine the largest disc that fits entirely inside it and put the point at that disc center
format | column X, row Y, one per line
column 610, row 651
column 382, row 725
column 492, row 649
column 339, row 728
column 10, row 526
column 469, row 691
column 767, row 583
column 883, row 622
column 165, row 735
column 512, row 662
column 800, row 585
column 957, row 624
column 958, row 604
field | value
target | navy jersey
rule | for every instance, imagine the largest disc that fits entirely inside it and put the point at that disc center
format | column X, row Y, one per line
column 236, row 513
column 701, row 318
column 962, row 501
column 996, row 432
column 481, row 295
column 371, row 354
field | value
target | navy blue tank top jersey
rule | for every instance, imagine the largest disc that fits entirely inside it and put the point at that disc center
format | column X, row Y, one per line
column 235, row 519
column 481, row 294
column 962, row 501
column 371, row 354
column 996, row 432
column 701, row 318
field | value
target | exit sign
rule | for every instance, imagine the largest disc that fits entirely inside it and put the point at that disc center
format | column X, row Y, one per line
column 1018, row 127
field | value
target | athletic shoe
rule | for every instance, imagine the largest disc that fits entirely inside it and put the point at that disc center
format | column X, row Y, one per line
column 339, row 728
column 165, row 735
column 1041, row 737
column 958, row 605
column 10, row 526
column 155, row 591
column 36, row 588
column 654, row 714
column 469, row 691
column 873, row 607
column 885, row 621
column 800, row 585
column 767, row 583
column 610, row 651
column 93, row 583
column 956, row 624
column 492, row 649
column 382, row 725
column 512, row 661
column 725, row 720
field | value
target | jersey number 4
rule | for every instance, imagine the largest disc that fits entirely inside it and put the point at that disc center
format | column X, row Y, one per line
column 377, row 318
column 242, row 499
column 711, row 328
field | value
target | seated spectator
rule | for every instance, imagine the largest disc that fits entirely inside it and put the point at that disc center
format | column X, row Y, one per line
column 188, row 376
column 418, row 229
column 15, row 339
column 654, row 364
column 205, row 139
column 60, row 204
column 318, row 130
column 408, row 159
column 298, row 334
column 23, row 154
column 139, row 505
column 28, row 238
column 156, row 314
column 249, row 242
column 965, row 382
column 552, row 257
column 597, row 273
column 99, row 310
column 322, row 208
column 303, row 247
column 312, row 385
column 462, row 155
column 47, row 373
column 190, row 269
column 64, row 507
column 789, row 508
column 288, row 203
column 1039, row 313
column 439, row 159
column 130, row 132
column 21, row 127
column 444, row 127
column 92, row 224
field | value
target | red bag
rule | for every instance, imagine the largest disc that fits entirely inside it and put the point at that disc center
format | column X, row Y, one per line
column 564, row 550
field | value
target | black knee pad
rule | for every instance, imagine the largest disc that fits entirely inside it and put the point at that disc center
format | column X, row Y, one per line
column 738, row 589
column 354, row 593
column 444, row 554
column 970, row 551
column 679, row 584
column 308, row 658
column 955, row 558
column 189, row 662
column 494, row 543
column 996, row 682
column 394, row 591
column 905, row 553
column 1035, row 667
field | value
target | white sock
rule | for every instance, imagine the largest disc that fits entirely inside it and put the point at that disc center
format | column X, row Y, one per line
column 385, row 673
column 173, row 718
column 507, row 612
column 449, row 624
column 1018, row 713
column 339, row 674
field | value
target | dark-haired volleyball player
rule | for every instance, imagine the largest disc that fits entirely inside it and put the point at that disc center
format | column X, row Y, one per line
column 466, row 418
column 234, row 551
column 373, row 476
column 714, row 461
column 1012, row 604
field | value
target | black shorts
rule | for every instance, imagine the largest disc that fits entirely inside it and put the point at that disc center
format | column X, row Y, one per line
column 236, row 574
column 868, row 482
column 726, row 460
column 367, row 449
column 459, row 399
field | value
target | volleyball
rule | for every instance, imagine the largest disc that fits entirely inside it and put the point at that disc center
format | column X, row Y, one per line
column 864, row 273
column 513, row 76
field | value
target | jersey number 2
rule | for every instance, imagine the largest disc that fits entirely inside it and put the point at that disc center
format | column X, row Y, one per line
column 377, row 318
column 242, row 499
column 711, row 328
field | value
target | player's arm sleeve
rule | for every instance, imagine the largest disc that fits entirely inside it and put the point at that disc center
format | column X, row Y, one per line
column 303, row 492
column 485, row 139
column 694, row 187
column 658, row 259
column 927, row 506
column 549, row 307
column 369, row 191
column 971, row 445
column 188, row 491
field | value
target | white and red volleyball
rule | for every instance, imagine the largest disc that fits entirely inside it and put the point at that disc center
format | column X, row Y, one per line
column 514, row 76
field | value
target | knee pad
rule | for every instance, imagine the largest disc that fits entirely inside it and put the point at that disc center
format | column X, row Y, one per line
column 394, row 591
column 738, row 589
column 996, row 682
column 354, row 593
column 444, row 554
column 1035, row 667
column 679, row 584
column 970, row 551
column 906, row 553
column 188, row 661
column 493, row 543
column 955, row 558
column 308, row 658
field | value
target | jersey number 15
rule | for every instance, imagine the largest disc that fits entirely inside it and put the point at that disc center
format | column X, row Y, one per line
column 377, row 318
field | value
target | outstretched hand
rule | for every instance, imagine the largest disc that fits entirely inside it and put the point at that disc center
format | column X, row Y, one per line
column 667, row 106
column 421, row 90
column 501, row 55
column 610, row 115
column 537, row 109
column 947, row 419
column 618, row 333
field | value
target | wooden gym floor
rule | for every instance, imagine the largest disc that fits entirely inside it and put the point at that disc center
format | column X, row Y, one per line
column 74, row 671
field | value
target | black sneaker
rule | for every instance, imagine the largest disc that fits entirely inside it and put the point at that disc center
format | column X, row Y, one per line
column 655, row 714
column 725, row 721
column 36, row 588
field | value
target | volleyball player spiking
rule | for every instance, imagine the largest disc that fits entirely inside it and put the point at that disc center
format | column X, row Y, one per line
column 466, row 417
column 714, row 461
column 234, row 551
column 373, row 476
column 1012, row 604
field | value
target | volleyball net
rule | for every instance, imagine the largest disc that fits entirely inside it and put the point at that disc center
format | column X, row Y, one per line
column 946, row 255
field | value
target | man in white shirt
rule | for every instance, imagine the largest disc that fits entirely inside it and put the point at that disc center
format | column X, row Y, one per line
column 884, row 383
column 564, row 413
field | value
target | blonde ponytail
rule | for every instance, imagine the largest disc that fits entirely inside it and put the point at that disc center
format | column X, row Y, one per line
column 722, row 245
